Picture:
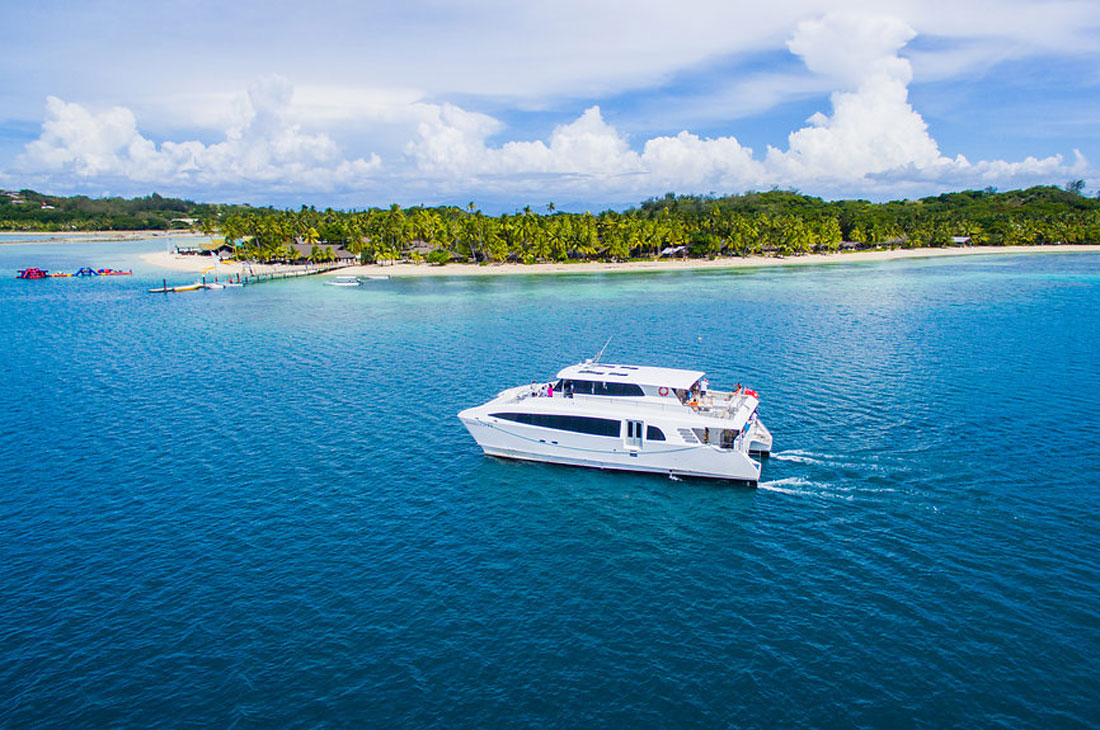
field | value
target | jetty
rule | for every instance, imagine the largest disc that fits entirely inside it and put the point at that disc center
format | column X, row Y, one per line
column 294, row 273
column 249, row 278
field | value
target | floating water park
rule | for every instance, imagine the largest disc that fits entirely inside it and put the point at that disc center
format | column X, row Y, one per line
column 35, row 273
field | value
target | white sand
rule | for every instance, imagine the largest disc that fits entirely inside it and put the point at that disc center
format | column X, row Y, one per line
column 199, row 263
column 694, row 264
column 182, row 262
column 31, row 237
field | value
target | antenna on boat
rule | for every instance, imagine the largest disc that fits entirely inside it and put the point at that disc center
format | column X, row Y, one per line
column 600, row 353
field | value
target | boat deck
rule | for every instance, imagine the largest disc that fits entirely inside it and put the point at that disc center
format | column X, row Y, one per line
column 724, row 405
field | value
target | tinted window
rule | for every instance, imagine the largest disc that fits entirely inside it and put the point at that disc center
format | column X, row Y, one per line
column 577, row 424
column 579, row 386
column 589, row 387
column 652, row 433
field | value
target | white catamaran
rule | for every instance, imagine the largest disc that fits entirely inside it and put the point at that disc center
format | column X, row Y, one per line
column 627, row 417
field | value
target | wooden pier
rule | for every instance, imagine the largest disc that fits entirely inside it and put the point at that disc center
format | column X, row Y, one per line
column 294, row 273
column 249, row 278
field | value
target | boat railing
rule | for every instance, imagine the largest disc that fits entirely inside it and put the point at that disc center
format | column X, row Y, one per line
column 638, row 404
column 721, row 404
column 715, row 404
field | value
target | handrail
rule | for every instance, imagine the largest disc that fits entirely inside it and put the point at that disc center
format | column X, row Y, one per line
column 725, row 409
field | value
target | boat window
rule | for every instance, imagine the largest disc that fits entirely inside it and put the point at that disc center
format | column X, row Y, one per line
column 618, row 390
column 578, row 386
column 591, row 387
column 623, row 389
column 652, row 433
column 577, row 424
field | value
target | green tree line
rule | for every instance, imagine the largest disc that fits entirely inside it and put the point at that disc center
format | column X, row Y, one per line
column 27, row 210
column 777, row 222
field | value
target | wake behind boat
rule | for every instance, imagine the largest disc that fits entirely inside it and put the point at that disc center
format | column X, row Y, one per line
column 626, row 417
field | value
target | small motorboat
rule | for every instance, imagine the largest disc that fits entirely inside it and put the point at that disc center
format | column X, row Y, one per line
column 345, row 281
column 378, row 277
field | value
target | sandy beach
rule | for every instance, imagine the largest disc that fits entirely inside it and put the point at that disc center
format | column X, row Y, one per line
column 666, row 265
column 180, row 262
column 18, row 238
column 199, row 263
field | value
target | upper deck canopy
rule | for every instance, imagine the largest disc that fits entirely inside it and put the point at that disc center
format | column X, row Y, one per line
column 668, row 377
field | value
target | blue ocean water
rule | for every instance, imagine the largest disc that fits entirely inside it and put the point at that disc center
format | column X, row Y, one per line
column 256, row 507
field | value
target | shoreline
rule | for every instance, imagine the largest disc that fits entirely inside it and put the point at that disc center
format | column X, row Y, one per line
column 664, row 266
column 174, row 262
column 201, row 264
column 33, row 237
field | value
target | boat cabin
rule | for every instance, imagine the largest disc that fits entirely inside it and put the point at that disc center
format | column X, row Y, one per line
column 629, row 381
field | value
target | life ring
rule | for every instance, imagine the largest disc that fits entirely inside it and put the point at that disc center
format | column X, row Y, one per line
column 662, row 391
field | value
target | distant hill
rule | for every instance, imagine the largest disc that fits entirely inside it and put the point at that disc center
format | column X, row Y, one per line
column 27, row 210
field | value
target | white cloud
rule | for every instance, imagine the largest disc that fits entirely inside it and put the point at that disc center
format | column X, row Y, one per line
column 687, row 160
column 872, row 129
column 851, row 48
column 588, row 146
column 871, row 141
column 454, row 143
column 534, row 53
column 261, row 147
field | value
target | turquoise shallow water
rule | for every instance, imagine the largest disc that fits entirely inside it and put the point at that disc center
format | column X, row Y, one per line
column 256, row 507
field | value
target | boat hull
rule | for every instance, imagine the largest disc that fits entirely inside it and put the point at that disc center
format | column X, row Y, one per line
column 530, row 443
column 760, row 439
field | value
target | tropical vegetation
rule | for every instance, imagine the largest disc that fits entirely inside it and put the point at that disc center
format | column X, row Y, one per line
column 777, row 222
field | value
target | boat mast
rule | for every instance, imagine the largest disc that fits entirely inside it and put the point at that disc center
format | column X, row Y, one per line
column 600, row 353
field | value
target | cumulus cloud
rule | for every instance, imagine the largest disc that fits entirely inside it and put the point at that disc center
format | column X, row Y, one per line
column 688, row 160
column 851, row 48
column 873, row 128
column 587, row 151
column 874, row 134
column 873, row 139
column 261, row 146
column 454, row 142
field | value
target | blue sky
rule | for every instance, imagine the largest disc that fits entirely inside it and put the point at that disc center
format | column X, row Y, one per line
column 587, row 104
